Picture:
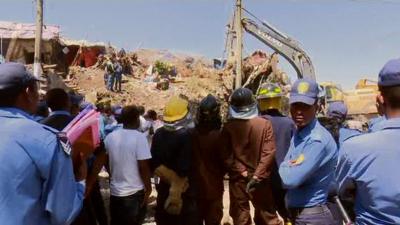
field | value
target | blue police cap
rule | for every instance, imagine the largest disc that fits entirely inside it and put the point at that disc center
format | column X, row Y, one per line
column 304, row 90
column 390, row 74
column 15, row 75
column 337, row 110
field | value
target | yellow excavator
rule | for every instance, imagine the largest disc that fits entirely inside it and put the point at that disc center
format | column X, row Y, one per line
column 362, row 99
column 333, row 92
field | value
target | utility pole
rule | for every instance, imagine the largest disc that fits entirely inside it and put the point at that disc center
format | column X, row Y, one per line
column 37, row 69
column 238, row 23
column 1, row 45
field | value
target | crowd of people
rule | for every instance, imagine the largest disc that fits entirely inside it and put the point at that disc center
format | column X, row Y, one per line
column 293, row 170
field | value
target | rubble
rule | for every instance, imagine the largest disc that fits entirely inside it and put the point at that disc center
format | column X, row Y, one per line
column 195, row 78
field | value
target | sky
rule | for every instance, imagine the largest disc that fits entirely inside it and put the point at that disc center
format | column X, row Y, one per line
column 346, row 39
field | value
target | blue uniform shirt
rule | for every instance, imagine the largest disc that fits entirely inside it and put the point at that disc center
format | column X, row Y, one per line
column 37, row 184
column 308, row 168
column 370, row 163
column 284, row 128
column 347, row 133
column 108, row 129
column 374, row 123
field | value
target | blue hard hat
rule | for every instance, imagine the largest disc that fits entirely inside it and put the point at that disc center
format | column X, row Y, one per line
column 15, row 75
column 337, row 110
column 390, row 74
column 304, row 90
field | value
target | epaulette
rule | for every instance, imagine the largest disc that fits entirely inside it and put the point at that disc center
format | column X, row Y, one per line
column 52, row 130
column 62, row 137
column 65, row 144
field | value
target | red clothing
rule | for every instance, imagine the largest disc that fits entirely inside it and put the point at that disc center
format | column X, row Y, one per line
column 249, row 145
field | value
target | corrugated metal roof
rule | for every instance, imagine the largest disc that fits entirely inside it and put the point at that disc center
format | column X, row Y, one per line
column 27, row 30
column 68, row 42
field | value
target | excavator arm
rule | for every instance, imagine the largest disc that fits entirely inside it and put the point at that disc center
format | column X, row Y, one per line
column 283, row 45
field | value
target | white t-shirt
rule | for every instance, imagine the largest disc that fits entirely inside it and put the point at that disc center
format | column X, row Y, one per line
column 124, row 148
column 144, row 124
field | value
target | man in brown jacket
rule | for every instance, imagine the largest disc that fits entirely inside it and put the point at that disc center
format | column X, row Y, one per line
column 249, row 150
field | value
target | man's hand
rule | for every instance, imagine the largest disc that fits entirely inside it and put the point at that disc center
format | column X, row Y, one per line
column 174, row 202
column 252, row 184
column 245, row 174
column 147, row 193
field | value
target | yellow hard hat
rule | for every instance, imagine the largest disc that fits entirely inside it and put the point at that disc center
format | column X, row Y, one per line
column 175, row 109
column 270, row 103
column 269, row 90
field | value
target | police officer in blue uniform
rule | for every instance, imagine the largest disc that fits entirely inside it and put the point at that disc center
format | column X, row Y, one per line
column 308, row 168
column 368, row 163
column 37, row 182
column 373, row 123
column 338, row 112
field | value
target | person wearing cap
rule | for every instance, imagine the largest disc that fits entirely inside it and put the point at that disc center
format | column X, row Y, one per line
column 37, row 181
column 59, row 103
column 308, row 168
column 248, row 147
column 171, row 152
column 209, row 172
column 270, row 98
column 367, row 162
column 335, row 123
column 337, row 111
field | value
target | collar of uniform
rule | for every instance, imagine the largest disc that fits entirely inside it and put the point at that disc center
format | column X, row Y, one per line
column 14, row 113
column 306, row 130
column 60, row 112
column 388, row 124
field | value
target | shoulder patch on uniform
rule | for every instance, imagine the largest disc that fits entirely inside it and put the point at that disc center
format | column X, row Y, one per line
column 297, row 161
column 65, row 144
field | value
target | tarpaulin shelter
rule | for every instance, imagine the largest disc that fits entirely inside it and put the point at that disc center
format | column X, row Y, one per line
column 18, row 43
column 81, row 52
